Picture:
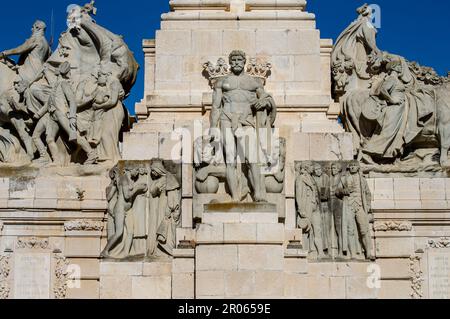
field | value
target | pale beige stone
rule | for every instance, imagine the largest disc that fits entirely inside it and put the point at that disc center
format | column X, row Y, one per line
column 187, row 217
column 259, row 218
column 296, row 265
column 88, row 289
column 116, row 287
column 291, row 214
column 383, row 204
column 295, row 286
column 207, row 233
column 394, row 268
column 4, row 188
column 307, row 68
column 170, row 146
column 210, row 283
column 383, row 189
column 337, row 288
column 304, row 42
column 434, row 204
column 20, row 203
column 358, row 288
column 432, row 189
column 173, row 42
column 183, row 286
column 221, row 218
column 94, row 204
column 216, row 257
column 269, row 283
column 157, row 269
column 395, row 247
column 260, row 257
column 271, row 42
column 187, row 180
column 168, row 68
column 408, row 204
column 46, row 188
column 240, row 284
column 69, row 204
column 243, row 39
column 90, row 268
column 183, row 265
column 132, row 147
column 123, row 268
column 240, row 233
column 270, row 233
column 156, row 287
column 283, row 71
column 406, row 189
column 206, row 41
column 395, row 289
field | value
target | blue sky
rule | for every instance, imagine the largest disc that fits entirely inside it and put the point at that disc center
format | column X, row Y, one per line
column 412, row 28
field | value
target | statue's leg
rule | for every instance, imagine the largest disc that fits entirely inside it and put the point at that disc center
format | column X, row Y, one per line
column 247, row 145
column 119, row 219
column 20, row 127
column 98, row 123
column 362, row 222
column 229, row 145
column 351, row 234
column 317, row 226
column 51, row 133
column 38, row 131
column 81, row 141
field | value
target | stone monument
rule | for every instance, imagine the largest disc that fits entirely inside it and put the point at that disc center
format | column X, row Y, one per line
column 237, row 180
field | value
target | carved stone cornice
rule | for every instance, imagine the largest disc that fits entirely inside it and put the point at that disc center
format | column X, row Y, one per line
column 61, row 275
column 416, row 277
column 443, row 242
column 391, row 225
column 33, row 243
column 5, row 269
column 83, row 225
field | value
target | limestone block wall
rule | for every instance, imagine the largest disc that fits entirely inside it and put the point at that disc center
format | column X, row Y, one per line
column 412, row 224
column 51, row 228
column 195, row 32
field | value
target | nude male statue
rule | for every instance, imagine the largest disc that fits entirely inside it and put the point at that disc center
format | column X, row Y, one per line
column 241, row 106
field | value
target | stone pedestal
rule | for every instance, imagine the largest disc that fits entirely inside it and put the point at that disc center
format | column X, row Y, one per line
column 239, row 252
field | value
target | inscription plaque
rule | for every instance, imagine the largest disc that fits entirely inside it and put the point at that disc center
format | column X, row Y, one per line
column 32, row 276
column 439, row 274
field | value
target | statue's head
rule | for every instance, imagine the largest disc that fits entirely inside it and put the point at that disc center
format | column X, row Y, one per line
column 394, row 66
column 157, row 169
column 20, row 86
column 39, row 26
column 336, row 169
column 74, row 15
column 318, row 170
column 102, row 78
column 354, row 167
column 237, row 61
column 365, row 10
